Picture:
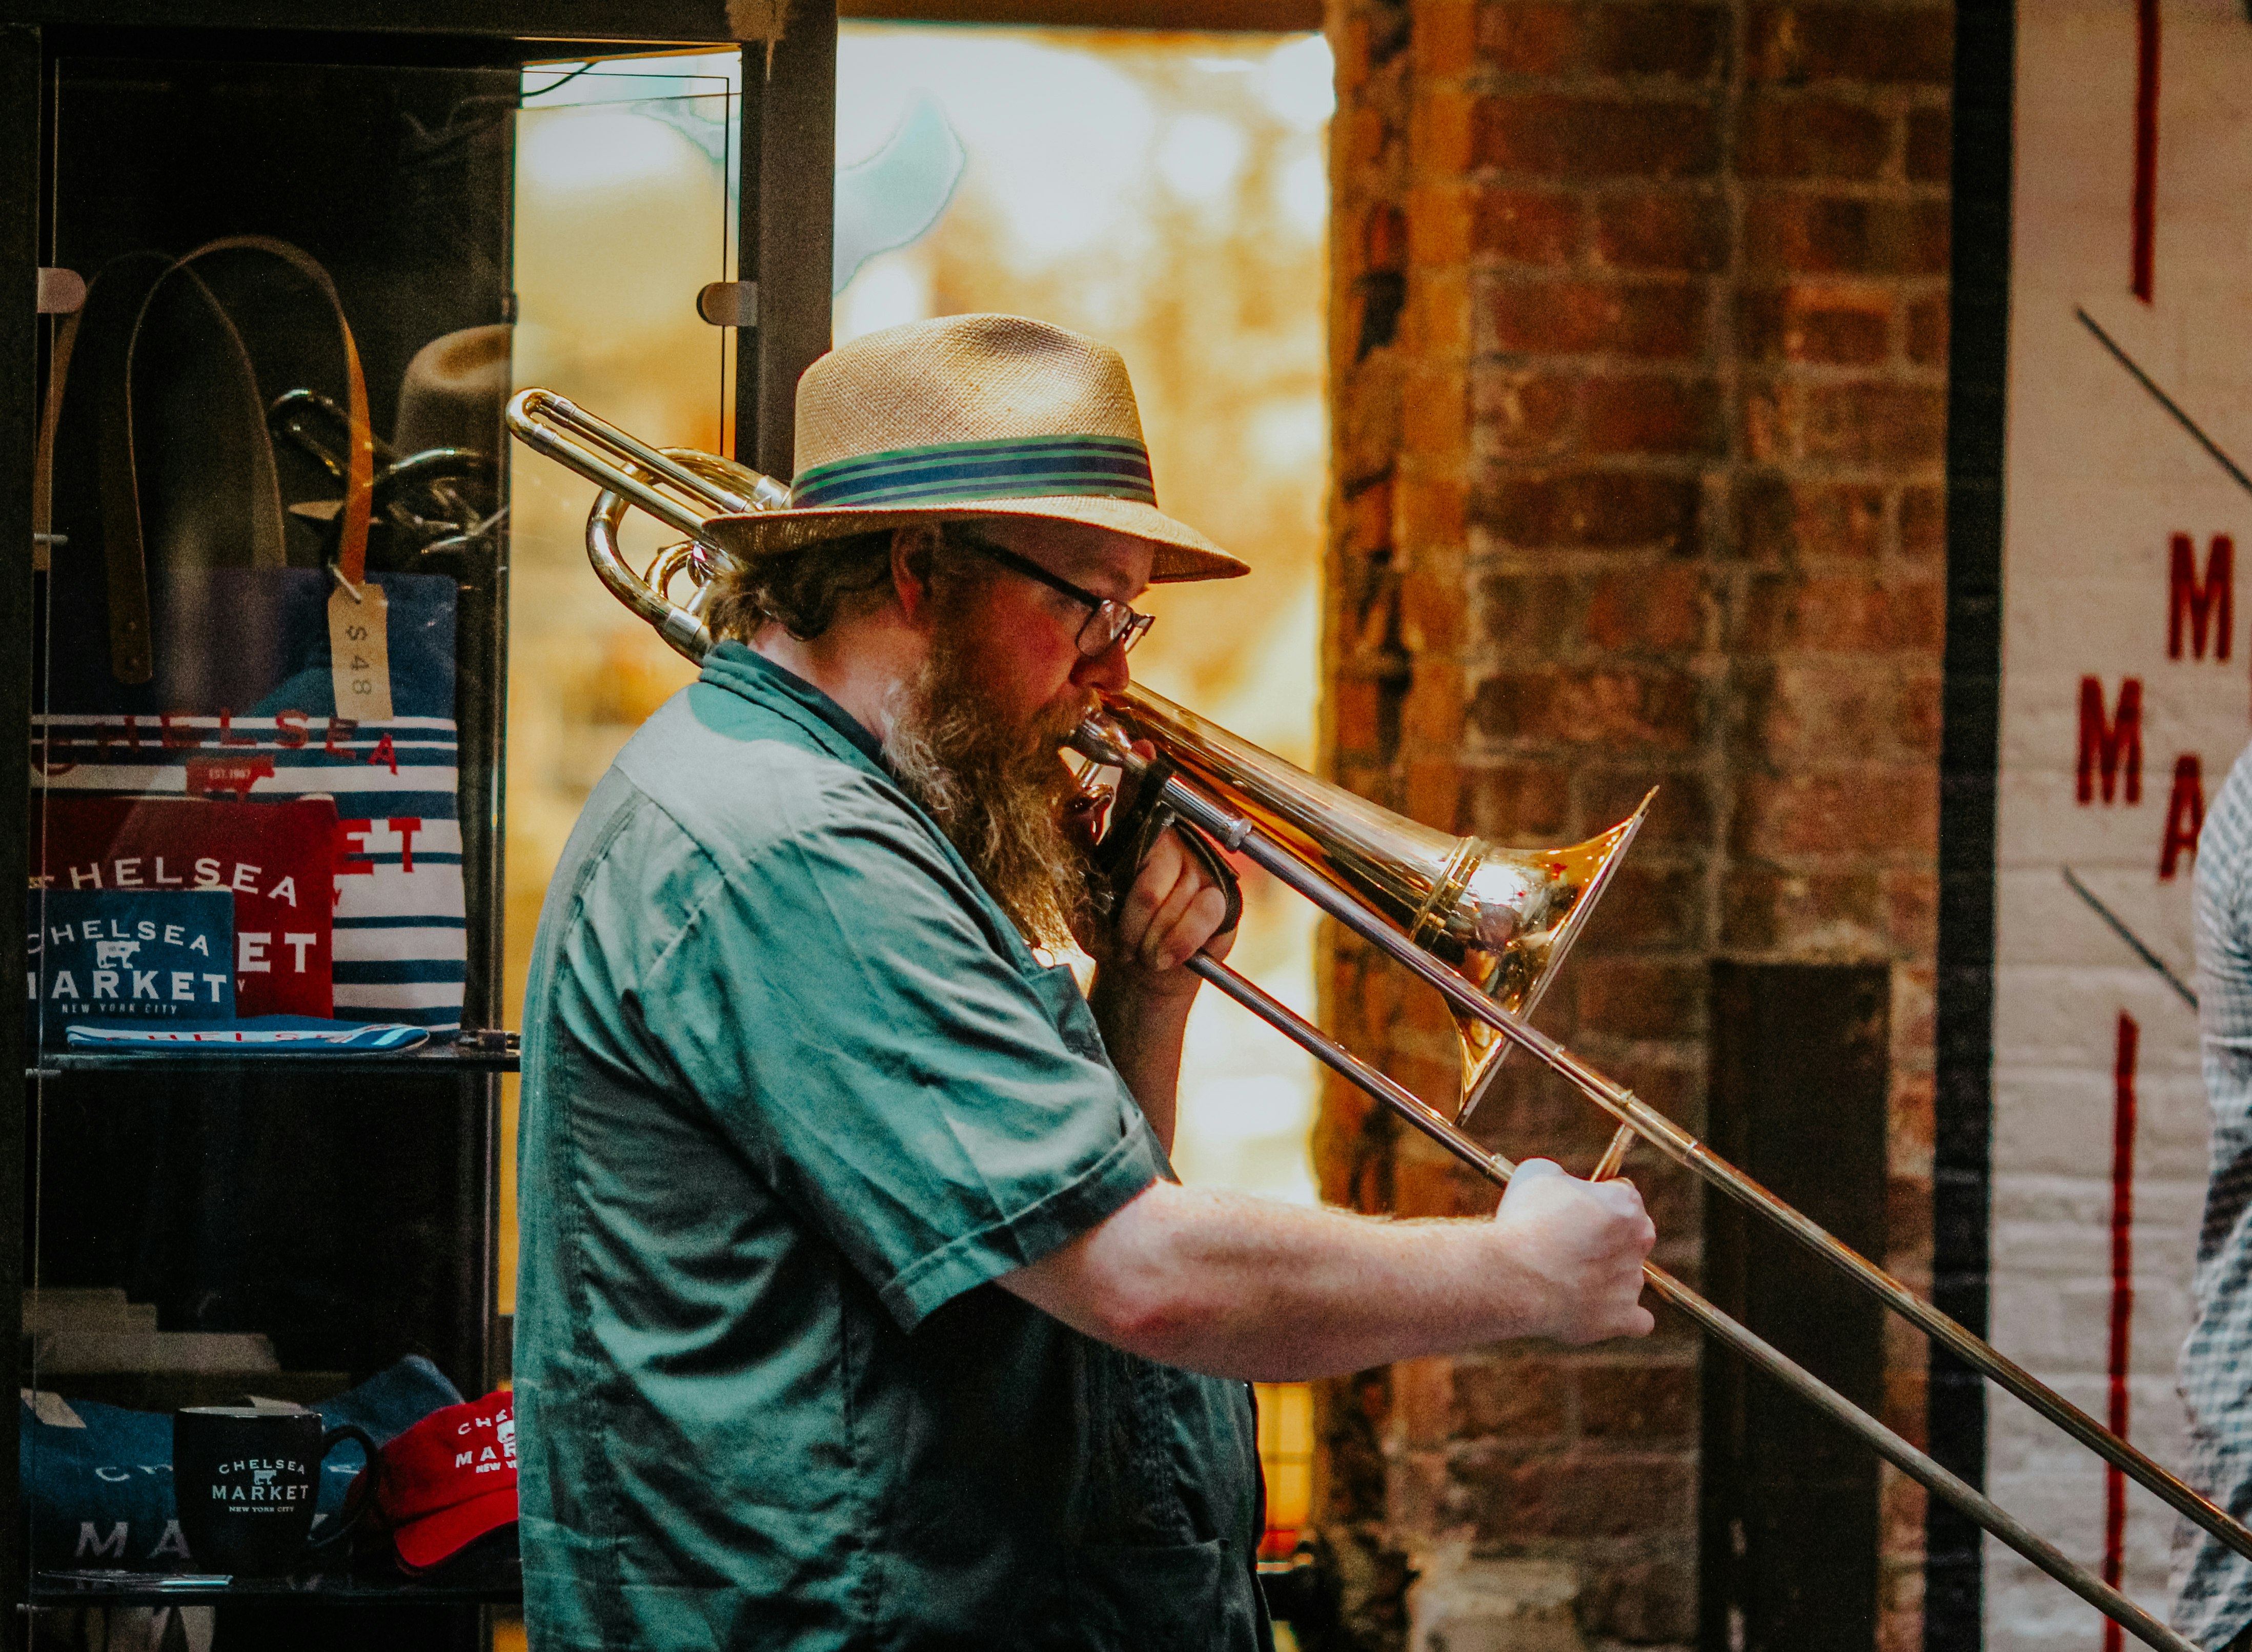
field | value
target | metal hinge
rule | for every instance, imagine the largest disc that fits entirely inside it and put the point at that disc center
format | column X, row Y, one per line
column 729, row 303
column 61, row 291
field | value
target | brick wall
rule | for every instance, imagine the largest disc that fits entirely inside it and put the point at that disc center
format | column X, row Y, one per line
column 1638, row 347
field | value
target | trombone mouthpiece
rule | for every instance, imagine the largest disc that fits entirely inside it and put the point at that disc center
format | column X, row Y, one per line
column 1101, row 738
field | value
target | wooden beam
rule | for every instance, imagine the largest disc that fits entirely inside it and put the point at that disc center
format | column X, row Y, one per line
column 1276, row 16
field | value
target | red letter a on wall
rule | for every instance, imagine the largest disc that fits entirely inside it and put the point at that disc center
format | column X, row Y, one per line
column 2184, row 814
column 2108, row 745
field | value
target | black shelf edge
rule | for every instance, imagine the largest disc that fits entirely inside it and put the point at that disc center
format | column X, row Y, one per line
column 429, row 1058
column 609, row 22
column 338, row 1592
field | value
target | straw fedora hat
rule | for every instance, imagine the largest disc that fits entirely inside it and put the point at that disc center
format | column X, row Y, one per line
column 972, row 416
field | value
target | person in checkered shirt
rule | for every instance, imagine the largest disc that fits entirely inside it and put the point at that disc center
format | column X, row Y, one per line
column 2212, row 1585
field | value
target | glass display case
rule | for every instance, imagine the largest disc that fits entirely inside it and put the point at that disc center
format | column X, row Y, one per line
column 258, row 603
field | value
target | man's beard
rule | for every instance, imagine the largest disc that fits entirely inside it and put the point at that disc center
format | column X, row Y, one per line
column 997, row 792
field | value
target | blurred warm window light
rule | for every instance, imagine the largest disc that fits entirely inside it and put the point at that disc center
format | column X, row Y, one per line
column 624, row 208
column 1167, row 193
column 1164, row 193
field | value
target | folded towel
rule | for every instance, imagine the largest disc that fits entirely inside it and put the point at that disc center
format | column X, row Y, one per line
column 268, row 1034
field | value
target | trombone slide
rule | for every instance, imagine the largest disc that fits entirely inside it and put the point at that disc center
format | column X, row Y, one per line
column 1746, row 1342
column 1686, row 1150
column 1239, row 835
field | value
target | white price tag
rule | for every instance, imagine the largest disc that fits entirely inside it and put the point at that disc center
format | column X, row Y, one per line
column 360, row 653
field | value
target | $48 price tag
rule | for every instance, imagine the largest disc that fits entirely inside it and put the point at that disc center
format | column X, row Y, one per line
column 360, row 653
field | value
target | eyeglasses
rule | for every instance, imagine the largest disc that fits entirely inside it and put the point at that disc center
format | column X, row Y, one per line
column 1111, row 620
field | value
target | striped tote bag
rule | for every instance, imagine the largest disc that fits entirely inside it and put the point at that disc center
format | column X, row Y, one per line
column 246, row 672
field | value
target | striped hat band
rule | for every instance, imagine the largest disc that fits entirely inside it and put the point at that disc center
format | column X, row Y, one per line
column 1011, row 468
column 971, row 416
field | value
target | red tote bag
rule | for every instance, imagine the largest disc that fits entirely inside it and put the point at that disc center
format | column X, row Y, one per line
column 277, row 860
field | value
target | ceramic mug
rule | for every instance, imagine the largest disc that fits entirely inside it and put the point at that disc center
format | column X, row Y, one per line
column 247, row 1483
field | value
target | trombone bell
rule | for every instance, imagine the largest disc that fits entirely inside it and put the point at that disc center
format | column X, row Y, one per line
column 1504, row 918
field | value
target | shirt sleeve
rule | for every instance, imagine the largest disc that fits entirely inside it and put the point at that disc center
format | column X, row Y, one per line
column 940, row 1110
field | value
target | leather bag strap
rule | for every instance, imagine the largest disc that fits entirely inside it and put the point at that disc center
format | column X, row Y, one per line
column 359, row 462
column 131, row 641
column 127, row 594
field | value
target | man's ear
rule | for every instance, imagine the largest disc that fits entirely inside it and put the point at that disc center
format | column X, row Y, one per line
column 913, row 549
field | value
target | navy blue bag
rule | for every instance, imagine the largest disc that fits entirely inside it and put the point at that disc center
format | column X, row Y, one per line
column 138, row 957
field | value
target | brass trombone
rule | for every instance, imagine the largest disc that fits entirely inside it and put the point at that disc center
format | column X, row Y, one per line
column 1483, row 927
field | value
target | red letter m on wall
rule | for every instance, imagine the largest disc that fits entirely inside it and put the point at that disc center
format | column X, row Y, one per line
column 2109, row 745
column 2214, row 600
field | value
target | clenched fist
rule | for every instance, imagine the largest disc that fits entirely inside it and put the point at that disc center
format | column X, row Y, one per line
column 1580, row 1245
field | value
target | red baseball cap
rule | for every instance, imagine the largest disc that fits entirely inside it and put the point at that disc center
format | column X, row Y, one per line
column 450, row 1479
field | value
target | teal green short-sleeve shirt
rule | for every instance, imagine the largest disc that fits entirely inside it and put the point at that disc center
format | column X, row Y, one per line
column 795, row 1092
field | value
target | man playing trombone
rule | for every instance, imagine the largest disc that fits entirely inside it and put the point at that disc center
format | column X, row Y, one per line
column 858, row 1306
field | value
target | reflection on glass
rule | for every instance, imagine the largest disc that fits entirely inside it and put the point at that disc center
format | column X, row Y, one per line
column 624, row 208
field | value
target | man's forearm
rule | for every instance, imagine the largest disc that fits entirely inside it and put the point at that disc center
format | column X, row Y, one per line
column 1239, row 1286
column 1275, row 1293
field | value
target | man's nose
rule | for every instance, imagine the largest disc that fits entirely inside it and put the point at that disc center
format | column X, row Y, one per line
column 1105, row 672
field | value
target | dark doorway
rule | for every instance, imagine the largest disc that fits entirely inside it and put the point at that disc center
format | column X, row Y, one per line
column 1789, row 1502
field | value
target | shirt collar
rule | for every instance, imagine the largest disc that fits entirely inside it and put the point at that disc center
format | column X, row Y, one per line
column 743, row 670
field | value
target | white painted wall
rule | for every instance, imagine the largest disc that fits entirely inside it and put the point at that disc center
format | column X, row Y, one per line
column 2099, row 479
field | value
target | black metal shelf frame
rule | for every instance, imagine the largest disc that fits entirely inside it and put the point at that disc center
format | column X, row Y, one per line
column 472, row 1053
column 56, row 1594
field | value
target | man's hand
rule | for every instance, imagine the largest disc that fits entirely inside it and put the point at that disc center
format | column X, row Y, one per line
column 1172, row 912
column 1582, row 1244
column 1141, row 993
